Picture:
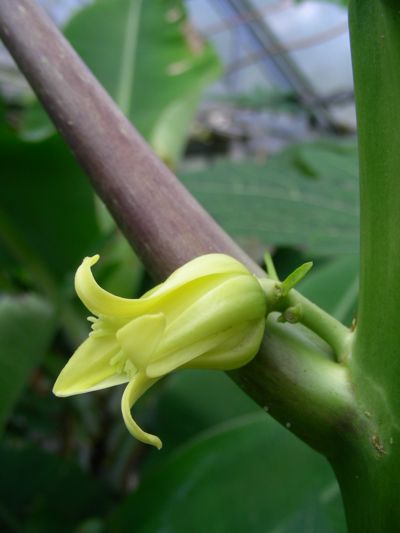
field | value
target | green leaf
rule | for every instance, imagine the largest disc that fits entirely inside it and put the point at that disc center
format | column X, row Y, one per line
column 296, row 276
column 41, row 492
column 306, row 196
column 334, row 287
column 47, row 212
column 149, row 60
column 26, row 327
column 185, row 410
column 235, row 478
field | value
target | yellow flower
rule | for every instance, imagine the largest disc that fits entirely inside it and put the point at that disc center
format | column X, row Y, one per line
column 210, row 313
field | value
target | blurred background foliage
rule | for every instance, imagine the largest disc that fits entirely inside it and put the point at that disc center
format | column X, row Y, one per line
column 275, row 162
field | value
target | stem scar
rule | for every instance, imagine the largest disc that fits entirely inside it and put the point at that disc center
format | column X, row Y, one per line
column 377, row 444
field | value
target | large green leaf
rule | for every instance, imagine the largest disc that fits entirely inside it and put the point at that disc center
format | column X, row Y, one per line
column 47, row 210
column 25, row 330
column 189, row 402
column 193, row 400
column 149, row 60
column 40, row 492
column 306, row 196
column 248, row 475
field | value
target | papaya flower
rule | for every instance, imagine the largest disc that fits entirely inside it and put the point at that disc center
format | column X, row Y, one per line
column 210, row 313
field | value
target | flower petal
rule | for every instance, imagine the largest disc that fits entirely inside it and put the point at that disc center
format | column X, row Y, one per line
column 240, row 348
column 200, row 267
column 89, row 368
column 140, row 338
column 98, row 300
column 135, row 389
column 230, row 303
column 174, row 304
column 174, row 360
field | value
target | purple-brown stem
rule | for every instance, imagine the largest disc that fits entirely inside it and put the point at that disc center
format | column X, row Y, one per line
column 162, row 221
column 160, row 218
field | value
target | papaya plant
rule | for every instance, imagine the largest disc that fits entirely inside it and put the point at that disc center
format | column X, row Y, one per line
column 334, row 387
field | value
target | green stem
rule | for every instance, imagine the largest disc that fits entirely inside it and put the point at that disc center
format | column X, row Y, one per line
column 296, row 308
column 370, row 489
column 375, row 38
column 368, row 464
column 375, row 364
column 318, row 403
column 320, row 322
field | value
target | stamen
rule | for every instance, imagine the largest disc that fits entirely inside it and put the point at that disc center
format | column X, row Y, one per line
column 100, row 333
column 130, row 369
column 117, row 358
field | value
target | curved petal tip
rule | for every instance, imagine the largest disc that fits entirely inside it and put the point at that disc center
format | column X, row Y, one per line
column 92, row 260
column 135, row 388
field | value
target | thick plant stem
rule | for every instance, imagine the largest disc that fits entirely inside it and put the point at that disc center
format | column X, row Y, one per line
column 370, row 488
column 299, row 409
column 166, row 225
column 369, row 470
column 124, row 171
column 375, row 30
